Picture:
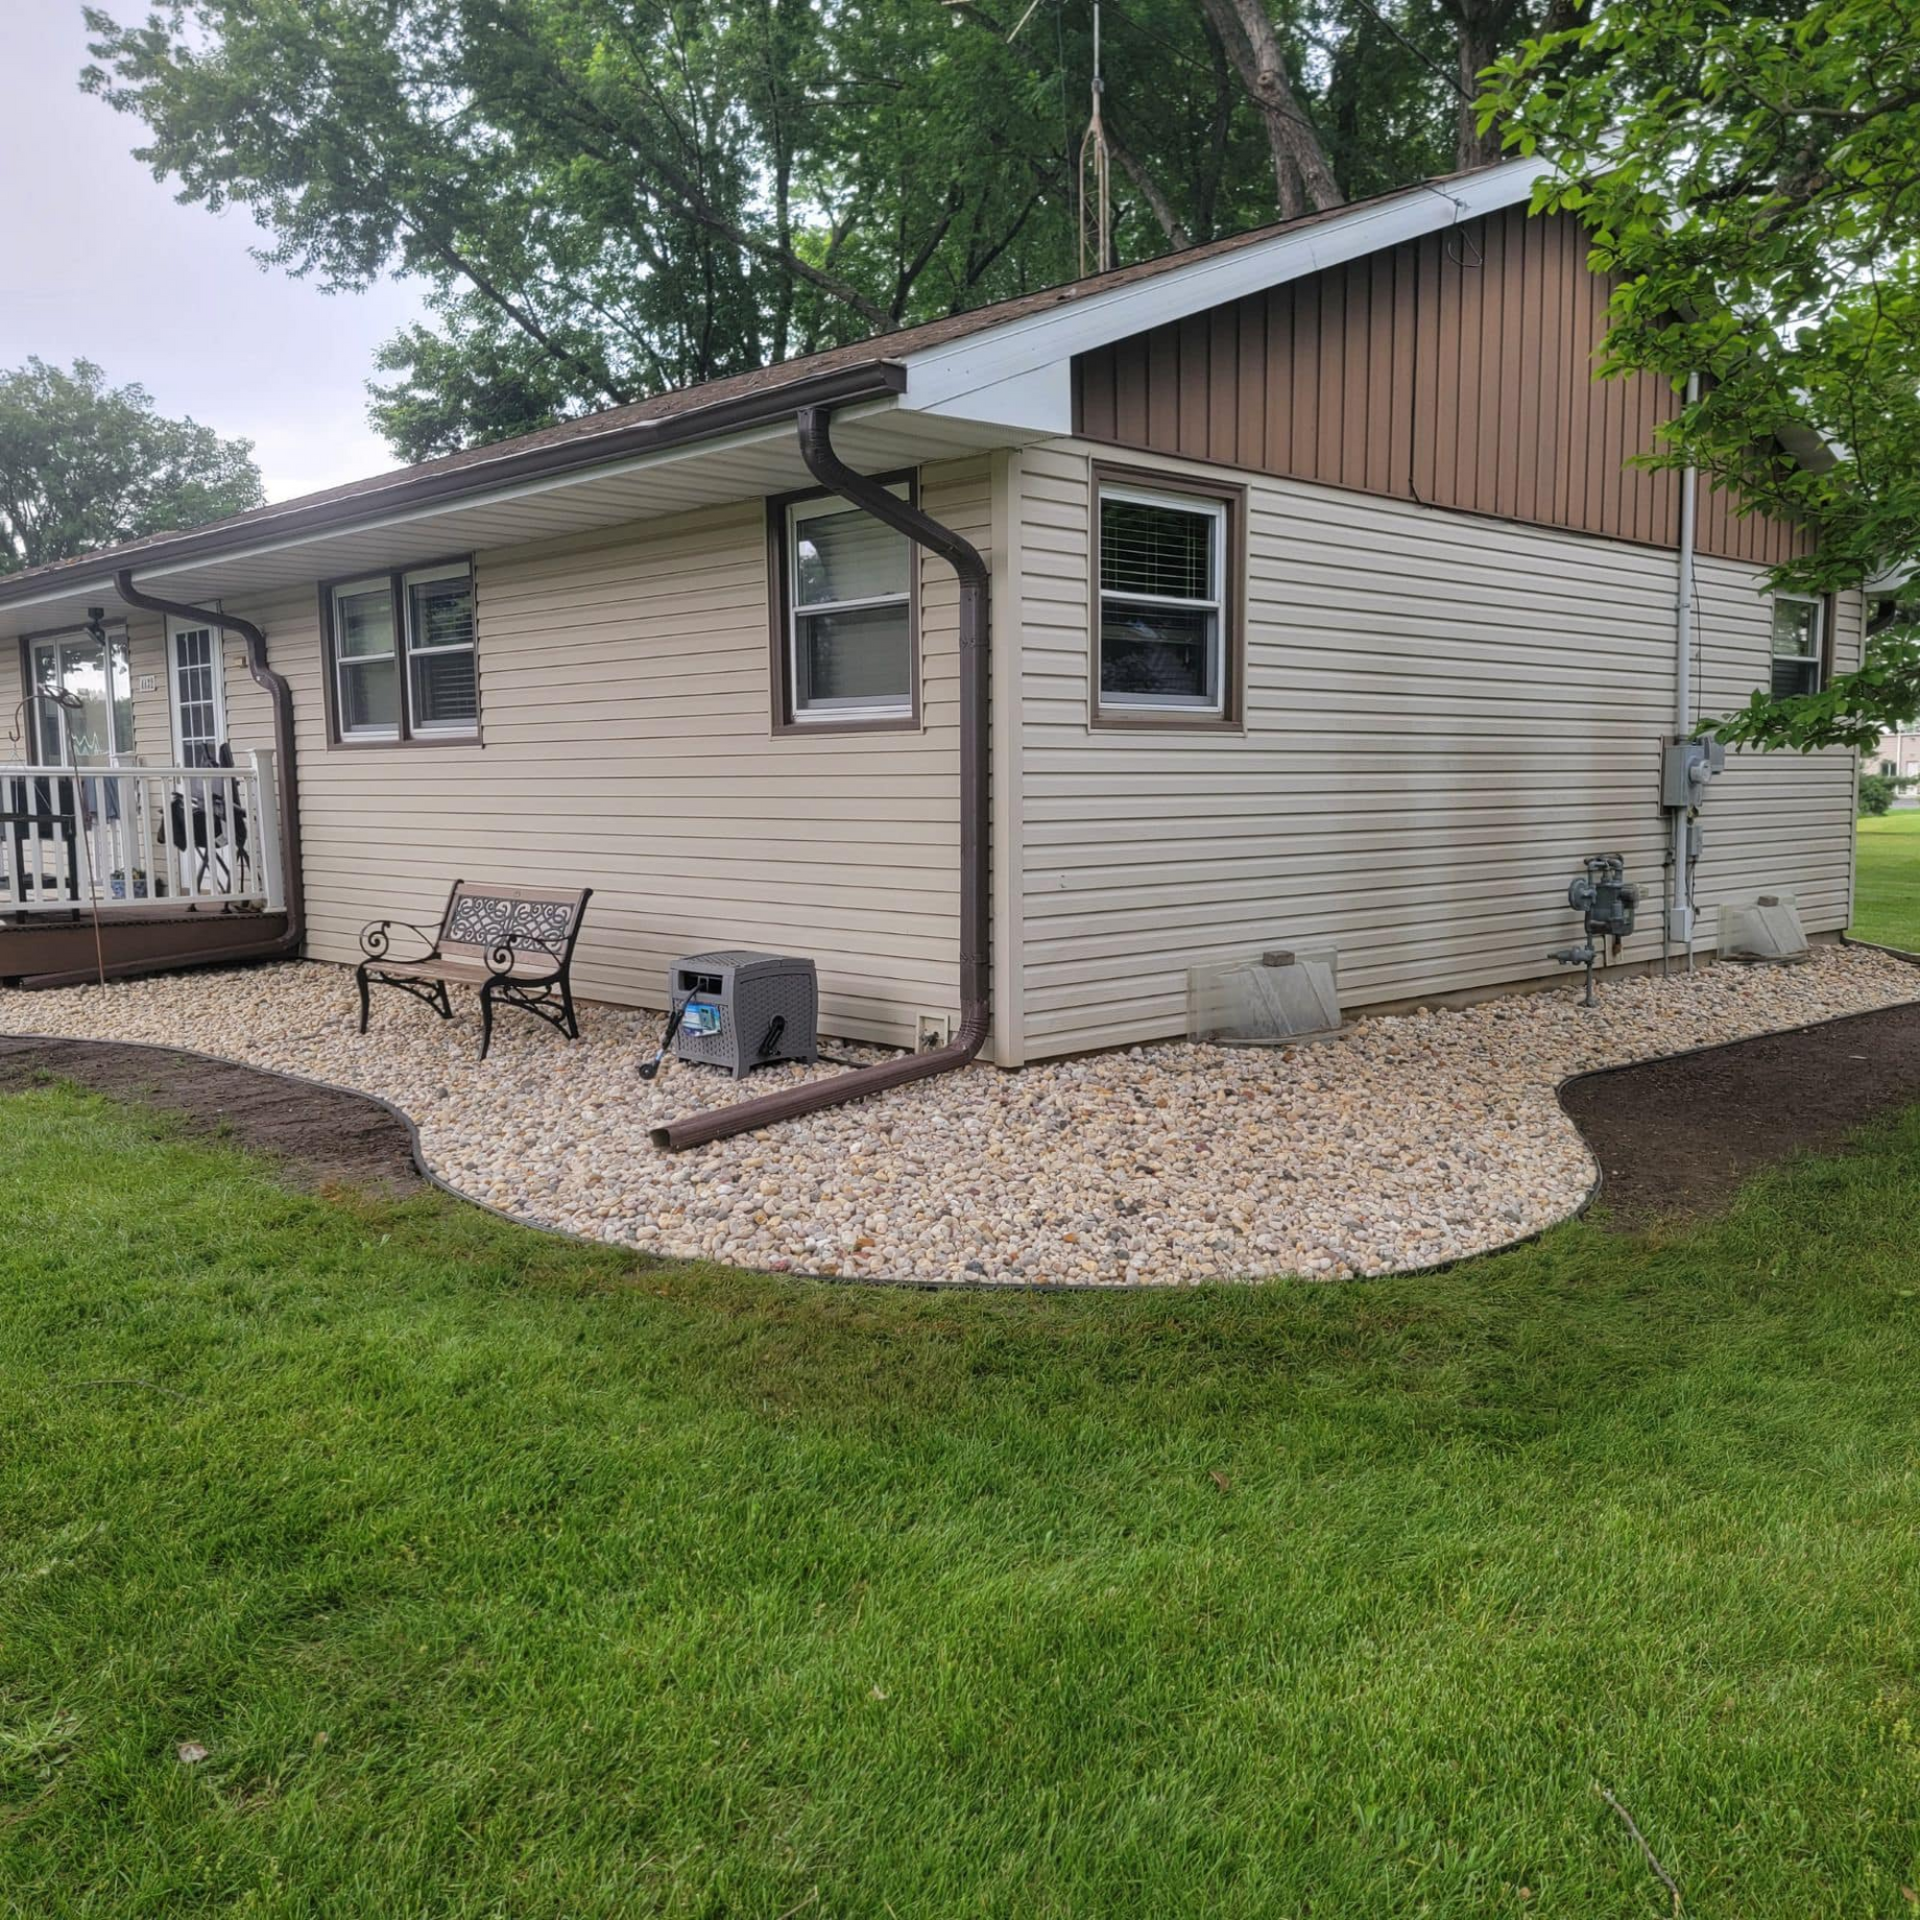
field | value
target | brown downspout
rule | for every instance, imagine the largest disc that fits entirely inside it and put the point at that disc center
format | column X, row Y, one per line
column 275, row 687
column 826, row 466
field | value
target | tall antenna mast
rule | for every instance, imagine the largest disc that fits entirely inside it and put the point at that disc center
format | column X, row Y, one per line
column 1093, row 161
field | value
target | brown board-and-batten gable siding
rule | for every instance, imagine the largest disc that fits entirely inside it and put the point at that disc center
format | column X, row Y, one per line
column 1454, row 371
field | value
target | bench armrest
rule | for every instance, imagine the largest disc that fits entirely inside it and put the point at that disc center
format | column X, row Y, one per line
column 531, row 965
column 376, row 940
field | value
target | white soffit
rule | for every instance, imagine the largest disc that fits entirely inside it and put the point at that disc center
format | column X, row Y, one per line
column 1020, row 374
column 743, row 466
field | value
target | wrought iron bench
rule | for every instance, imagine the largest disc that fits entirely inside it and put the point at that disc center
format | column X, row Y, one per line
column 515, row 944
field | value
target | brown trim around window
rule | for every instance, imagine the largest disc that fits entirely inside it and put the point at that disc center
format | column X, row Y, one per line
column 1233, row 649
column 779, row 652
column 329, row 676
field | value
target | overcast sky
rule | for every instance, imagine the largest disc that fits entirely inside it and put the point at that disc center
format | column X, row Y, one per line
column 98, row 261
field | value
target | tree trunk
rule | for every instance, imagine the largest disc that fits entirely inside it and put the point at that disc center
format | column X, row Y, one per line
column 1302, row 178
column 1482, row 32
column 1148, row 189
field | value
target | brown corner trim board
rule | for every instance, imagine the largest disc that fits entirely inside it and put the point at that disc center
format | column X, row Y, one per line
column 697, row 1129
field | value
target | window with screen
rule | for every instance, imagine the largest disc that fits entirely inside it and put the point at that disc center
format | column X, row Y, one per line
column 847, row 596
column 443, row 686
column 1163, row 648
column 404, row 663
column 1797, row 645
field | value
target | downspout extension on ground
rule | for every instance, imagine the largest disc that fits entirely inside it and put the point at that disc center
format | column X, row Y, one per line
column 826, row 466
column 275, row 687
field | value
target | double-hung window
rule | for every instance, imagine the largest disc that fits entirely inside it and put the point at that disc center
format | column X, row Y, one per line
column 846, row 635
column 1799, row 641
column 443, row 688
column 1164, row 646
column 403, row 656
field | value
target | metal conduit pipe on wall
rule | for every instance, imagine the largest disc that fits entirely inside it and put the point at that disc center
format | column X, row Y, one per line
column 275, row 687
column 826, row 466
column 1680, row 881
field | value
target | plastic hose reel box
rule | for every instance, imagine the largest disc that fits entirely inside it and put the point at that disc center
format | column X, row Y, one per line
column 745, row 1010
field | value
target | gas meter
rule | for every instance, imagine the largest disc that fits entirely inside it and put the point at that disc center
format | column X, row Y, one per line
column 1605, row 900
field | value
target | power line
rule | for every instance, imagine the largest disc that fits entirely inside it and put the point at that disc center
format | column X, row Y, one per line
column 1419, row 53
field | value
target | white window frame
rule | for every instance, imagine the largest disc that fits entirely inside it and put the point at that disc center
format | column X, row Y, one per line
column 1818, row 655
column 218, row 663
column 426, row 576
column 119, row 752
column 859, row 706
column 1201, row 505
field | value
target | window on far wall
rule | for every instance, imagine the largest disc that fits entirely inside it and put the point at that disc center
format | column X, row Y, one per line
column 1164, row 650
column 403, row 656
column 847, row 615
column 1797, row 645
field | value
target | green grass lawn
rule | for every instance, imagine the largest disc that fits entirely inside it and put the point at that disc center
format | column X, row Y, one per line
column 504, row 1577
column 1886, row 905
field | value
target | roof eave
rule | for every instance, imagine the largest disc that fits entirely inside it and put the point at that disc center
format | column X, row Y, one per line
column 415, row 488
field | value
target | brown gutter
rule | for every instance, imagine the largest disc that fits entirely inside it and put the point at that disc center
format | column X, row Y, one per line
column 826, row 466
column 275, row 687
column 455, row 476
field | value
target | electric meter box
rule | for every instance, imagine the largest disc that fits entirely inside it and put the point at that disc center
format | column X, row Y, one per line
column 1686, row 769
column 745, row 1010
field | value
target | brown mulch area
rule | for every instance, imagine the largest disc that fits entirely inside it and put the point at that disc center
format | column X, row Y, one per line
column 1676, row 1137
column 322, row 1137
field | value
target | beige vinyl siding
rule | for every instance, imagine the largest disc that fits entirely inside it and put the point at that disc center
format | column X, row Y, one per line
column 1444, row 714
column 1774, row 820
column 626, row 714
column 147, row 658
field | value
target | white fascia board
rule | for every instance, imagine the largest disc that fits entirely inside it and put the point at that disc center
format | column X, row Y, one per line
column 1001, row 368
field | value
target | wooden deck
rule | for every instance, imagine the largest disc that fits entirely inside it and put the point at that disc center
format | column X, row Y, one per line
column 48, row 952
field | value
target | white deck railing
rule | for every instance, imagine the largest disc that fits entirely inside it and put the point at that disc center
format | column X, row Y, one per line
column 137, row 838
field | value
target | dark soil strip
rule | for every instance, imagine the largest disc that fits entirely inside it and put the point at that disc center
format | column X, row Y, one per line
column 319, row 1135
column 1676, row 1137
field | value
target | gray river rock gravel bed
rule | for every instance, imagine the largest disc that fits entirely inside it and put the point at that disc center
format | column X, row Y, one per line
column 1411, row 1140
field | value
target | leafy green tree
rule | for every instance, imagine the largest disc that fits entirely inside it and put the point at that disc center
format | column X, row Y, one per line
column 1876, row 795
column 1752, row 175
column 83, row 464
column 605, row 198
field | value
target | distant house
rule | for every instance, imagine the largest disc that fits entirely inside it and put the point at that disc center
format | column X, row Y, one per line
column 1319, row 608
column 1897, row 756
